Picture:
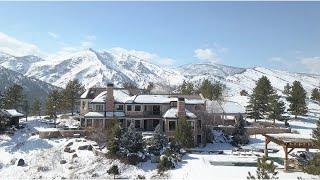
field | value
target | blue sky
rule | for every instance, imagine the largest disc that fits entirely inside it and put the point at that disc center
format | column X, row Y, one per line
column 282, row 35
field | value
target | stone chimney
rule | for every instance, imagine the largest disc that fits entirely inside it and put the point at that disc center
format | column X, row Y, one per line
column 181, row 106
column 109, row 98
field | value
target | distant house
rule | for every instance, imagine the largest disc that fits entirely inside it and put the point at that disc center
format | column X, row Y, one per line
column 10, row 117
column 226, row 112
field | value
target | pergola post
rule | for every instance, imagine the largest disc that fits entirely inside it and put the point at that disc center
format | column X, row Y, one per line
column 285, row 148
column 266, row 147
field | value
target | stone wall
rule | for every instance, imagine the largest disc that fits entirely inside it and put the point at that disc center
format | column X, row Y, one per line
column 229, row 130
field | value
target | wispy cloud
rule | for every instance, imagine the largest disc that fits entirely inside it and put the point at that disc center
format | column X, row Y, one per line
column 13, row 46
column 206, row 54
column 311, row 63
column 53, row 35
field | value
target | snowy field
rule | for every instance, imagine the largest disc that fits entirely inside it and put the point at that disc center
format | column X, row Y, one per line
column 43, row 156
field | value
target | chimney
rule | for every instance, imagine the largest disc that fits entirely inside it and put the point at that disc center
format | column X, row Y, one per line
column 109, row 98
column 181, row 107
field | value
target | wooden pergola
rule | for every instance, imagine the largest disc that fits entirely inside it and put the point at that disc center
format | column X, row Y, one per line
column 288, row 140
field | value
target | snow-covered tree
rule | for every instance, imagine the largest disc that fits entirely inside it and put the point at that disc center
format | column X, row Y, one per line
column 159, row 140
column 131, row 140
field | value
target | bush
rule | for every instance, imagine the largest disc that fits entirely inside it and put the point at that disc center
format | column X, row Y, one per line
column 133, row 158
column 265, row 170
column 240, row 136
column 165, row 163
column 114, row 170
column 313, row 166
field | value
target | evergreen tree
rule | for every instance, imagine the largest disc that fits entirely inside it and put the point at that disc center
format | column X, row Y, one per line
column 54, row 103
column 36, row 107
column 286, row 89
column 26, row 108
column 186, row 88
column 212, row 91
column 131, row 140
column 184, row 133
column 275, row 107
column 259, row 99
column 315, row 94
column 159, row 140
column 13, row 97
column 206, row 89
column 297, row 99
column 217, row 90
column 114, row 170
column 314, row 164
column 113, row 136
column 240, row 136
column 1, row 100
column 265, row 170
column 72, row 92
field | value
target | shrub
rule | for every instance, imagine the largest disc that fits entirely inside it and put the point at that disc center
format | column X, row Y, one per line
column 133, row 158
column 240, row 136
column 165, row 163
column 114, row 170
column 265, row 170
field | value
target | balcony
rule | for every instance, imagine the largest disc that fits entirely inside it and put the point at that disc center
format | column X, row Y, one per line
column 152, row 113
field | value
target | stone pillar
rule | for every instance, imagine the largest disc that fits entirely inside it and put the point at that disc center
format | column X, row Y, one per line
column 109, row 98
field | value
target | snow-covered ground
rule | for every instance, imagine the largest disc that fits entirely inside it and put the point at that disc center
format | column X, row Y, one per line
column 43, row 156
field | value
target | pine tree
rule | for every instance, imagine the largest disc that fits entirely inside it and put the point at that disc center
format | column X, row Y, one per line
column 314, row 164
column 72, row 92
column 264, row 170
column 1, row 100
column 297, row 99
column 13, row 97
column 286, row 89
column 114, row 138
column 206, row 89
column 36, row 107
column 315, row 94
column 275, row 107
column 114, row 170
column 186, row 88
column 259, row 99
column 54, row 103
column 159, row 140
column 131, row 140
column 211, row 91
column 217, row 91
column 240, row 136
column 184, row 133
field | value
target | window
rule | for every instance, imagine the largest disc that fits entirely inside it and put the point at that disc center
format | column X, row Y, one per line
column 121, row 122
column 172, row 125
column 99, row 107
column 199, row 124
column 129, row 107
column 119, row 107
column 83, row 104
column 173, row 103
column 137, row 124
column 191, row 124
column 137, row 108
column 89, row 122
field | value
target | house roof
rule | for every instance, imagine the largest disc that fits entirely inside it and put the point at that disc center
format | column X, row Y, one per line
column 10, row 113
column 91, row 93
column 224, row 107
column 120, row 96
column 102, row 114
column 160, row 99
column 172, row 113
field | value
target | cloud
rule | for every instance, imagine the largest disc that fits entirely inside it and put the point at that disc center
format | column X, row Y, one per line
column 154, row 58
column 15, row 47
column 311, row 63
column 90, row 38
column 53, row 35
column 206, row 54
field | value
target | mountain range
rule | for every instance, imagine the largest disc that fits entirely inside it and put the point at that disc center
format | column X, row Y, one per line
column 97, row 68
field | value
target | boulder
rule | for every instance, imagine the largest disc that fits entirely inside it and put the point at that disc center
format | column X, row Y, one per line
column 74, row 156
column 89, row 148
column 63, row 161
column 21, row 162
column 69, row 144
column 84, row 147
column 67, row 149
column 13, row 161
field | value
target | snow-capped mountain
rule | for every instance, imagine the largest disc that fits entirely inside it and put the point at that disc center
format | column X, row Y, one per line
column 32, row 87
column 94, row 68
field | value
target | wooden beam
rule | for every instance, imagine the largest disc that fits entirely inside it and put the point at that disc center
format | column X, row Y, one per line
column 290, row 150
column 285, row 148
column 267, row 141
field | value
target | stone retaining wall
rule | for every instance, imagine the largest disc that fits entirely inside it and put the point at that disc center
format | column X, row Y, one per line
column 60, row 133
column 229, row 130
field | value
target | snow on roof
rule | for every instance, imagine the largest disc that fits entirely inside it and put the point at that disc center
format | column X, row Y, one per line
column 85, row 94
column 290, row 137
column 160, row 99
column 13, row 113
column 224, row 107
column 101, row 114
column 172, row 113
column 120, row 96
